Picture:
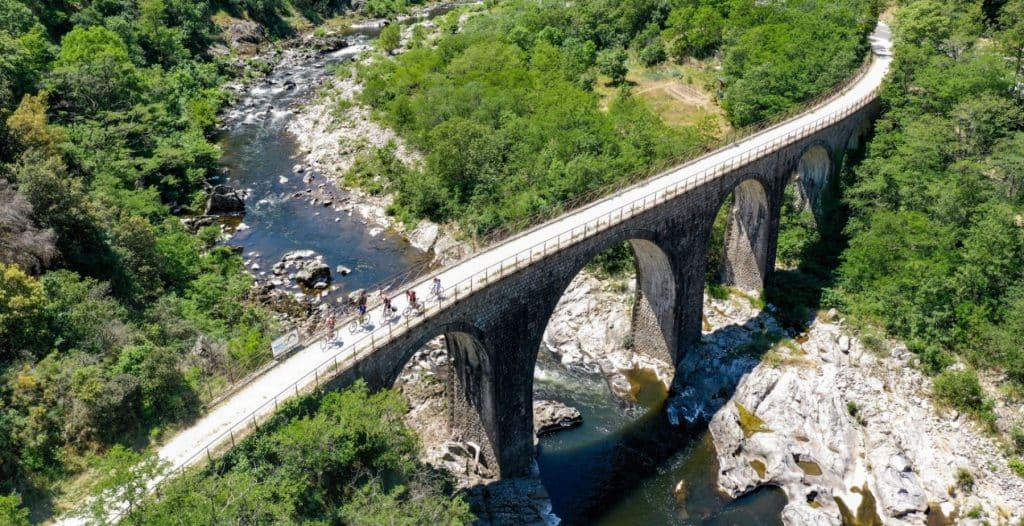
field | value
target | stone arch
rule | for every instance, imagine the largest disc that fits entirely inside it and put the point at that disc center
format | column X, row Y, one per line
column 812, row 178
column 472, row 400
column 744, row 262
column 654, row 324
column 859, row 135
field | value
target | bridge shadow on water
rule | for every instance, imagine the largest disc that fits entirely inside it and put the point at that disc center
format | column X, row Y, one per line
column 621, row 465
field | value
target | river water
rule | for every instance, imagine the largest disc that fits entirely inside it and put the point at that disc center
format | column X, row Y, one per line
column 619, row 468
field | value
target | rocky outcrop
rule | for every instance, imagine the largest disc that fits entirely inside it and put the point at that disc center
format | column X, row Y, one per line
column 224, row 200
column 241, row 36
column 305, row 267
column 832, row 423
column 314, row 274
column 550, row 416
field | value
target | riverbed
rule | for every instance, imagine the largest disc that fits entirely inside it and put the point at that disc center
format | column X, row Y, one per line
column 622, row 466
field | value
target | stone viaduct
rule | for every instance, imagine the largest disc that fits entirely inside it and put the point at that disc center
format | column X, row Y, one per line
column 493, row 331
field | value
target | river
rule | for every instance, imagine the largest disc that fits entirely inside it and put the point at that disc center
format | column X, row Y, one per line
column 619, row 468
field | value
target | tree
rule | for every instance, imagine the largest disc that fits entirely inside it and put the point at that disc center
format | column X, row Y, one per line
column 390, row 37
column 123, row 482
column 60, row 202
column 11, row 512
column 94, row 72
column 612, row 62
column 30, row 126
column 21, row 242
column 21, row 311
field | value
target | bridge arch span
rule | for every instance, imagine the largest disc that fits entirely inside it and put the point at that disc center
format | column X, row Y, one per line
column 813, row 178
column 748, row 233
column 858, row 136
column 470, row 391
column 655, row 308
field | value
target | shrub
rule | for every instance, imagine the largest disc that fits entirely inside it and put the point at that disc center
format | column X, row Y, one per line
column 653, row 53
column 1017, row 465
column 960, row 389
column 964, row 480
column 1017, row 440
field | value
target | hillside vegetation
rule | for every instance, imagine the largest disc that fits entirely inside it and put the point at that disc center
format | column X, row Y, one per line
column 506, row 112
column 936, row 236
column 107, row 109
column 336, row 458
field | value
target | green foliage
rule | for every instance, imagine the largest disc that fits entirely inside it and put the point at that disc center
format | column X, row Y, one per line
column 935, row 236
column 505, row 115
column 964, row 480
column 124, row 476
column 94, row 72
column 1017, row 466
column 617, row 261
column 390, row 38
column 11, row 512
column 758, row 81
column 612, row 63
column 21, row 310
column 94, row 350
column 694, row 31
column 961, row 390
column 320, row 460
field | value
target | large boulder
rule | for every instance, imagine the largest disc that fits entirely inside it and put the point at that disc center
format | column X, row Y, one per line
column 550, row 416
column 224, row 200
column 238, row 31
column 313, row 274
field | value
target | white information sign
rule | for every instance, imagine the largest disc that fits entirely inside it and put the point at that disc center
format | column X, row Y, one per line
column 285, row 343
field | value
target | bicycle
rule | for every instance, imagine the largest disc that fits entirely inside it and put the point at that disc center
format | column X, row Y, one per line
column 386, row 314
column 359, row 323
column 413, row 309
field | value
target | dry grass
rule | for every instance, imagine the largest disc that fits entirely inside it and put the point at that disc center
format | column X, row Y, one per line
column 681, row 94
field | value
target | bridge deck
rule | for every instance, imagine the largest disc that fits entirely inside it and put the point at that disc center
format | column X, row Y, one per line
column 295, row 374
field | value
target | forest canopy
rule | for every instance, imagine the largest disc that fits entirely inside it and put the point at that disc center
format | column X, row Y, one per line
column 508, row 117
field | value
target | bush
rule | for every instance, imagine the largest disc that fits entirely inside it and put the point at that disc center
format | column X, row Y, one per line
column 1017, row 465
column 653, row 53
column 961, row 389
column 964, row 480
column 1017, row 440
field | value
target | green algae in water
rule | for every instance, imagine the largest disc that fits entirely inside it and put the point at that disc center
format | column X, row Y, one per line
column 759, row 467
column 646, row 388
column 810, row 468
column 749, row 422
column 867, row 513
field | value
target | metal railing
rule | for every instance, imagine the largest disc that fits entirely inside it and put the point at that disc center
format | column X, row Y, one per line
column 370, row 341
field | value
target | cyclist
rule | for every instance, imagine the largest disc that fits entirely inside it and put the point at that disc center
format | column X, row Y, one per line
column 435, row 289
column 362, row 300
column 388, row 309
column 330, row 324
column 362, row 312
column 411, row 296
